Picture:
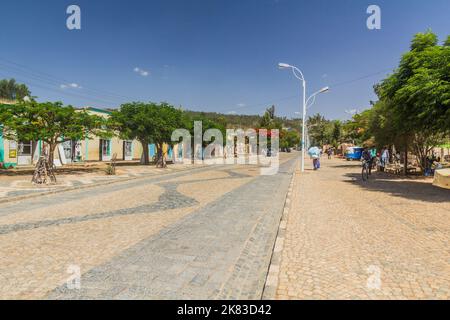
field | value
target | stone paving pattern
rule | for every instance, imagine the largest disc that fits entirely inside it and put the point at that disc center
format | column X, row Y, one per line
column 209, row 232
column 341, row 233
column 15, row 185
column 187, row 234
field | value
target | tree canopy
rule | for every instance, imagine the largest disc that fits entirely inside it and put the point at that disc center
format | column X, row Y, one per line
column 11, row 90
column 418, row 92
column 50, row 122
column 149, row 123
column 413, row 110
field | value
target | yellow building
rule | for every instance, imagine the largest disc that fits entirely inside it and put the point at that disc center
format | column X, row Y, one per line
column 17, row 153
column 97, row 149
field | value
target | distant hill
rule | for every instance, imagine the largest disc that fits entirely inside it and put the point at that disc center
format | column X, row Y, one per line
column 243, row 121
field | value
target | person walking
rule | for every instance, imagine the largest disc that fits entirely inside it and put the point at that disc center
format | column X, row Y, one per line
column 384, row 158
column 316, row 163
column 330, row 153
column 314, row 153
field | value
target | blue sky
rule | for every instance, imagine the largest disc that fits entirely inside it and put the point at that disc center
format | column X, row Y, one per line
column 214, row 55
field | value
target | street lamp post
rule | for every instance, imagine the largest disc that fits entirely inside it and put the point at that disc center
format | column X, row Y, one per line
column 299, row 75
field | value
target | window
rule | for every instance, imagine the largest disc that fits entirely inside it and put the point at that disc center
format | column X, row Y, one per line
column 24, row 148
column 106, row 148
column 128, row 150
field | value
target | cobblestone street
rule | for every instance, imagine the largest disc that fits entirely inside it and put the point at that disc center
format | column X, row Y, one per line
column 206, row 232
column 214, row 232
column 387, row 238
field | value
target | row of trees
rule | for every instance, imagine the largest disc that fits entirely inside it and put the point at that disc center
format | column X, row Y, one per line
column 154, row 123
column 325, row 132
column 54, row 123
column 413, row 107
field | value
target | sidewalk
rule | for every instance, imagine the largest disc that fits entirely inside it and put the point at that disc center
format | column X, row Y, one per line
column 384, row 239
column 15, row 185
column 75, row 166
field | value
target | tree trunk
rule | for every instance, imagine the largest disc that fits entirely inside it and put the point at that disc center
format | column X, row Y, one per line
column 145, row 152
column 160, row 161
column 51, row 154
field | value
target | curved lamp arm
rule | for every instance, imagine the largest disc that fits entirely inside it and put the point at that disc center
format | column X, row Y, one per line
column 297, row 71
column 313, row 96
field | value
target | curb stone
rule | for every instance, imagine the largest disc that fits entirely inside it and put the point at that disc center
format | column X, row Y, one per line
column 272, row 280
column 87, row 186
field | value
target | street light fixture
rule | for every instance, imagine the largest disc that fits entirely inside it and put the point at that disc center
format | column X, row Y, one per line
column 299, row 75
column 284, row 65
column 323, row 90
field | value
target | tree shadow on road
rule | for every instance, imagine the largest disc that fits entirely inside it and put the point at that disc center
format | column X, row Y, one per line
column 59, row 171
column 408, row 188
column 346, row 165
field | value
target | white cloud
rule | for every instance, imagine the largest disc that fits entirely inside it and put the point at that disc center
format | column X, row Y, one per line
column 241, row 105
column 232, row 112
column 142, row 72
column 70, row 85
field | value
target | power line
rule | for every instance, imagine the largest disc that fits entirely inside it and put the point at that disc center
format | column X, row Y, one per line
column 43, row 76
column 72, row 94
column 54, row 87
column 339, row 84
column 359, row 79
column 108, row 97
column 47, row 77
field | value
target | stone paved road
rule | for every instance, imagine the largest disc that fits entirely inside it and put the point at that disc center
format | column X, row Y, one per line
column 203, row 233
column 15, row 184
column 388, row 238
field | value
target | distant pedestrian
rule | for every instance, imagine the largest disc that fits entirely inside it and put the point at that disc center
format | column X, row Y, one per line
column 330, row 153
column 367, row 156
column 314, row 153
column 316, row 163
column 384, row 158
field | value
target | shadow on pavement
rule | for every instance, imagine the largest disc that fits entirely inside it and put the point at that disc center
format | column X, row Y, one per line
column 346, row 165
column 401, row 187
column 64, row 170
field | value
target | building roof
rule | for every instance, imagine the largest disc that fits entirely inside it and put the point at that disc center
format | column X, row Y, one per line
column 96, row 110
column 6, row 101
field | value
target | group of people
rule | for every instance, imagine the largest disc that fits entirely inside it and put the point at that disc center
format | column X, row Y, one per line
column 381, row 159
column 371, row 157
column 316, row 153
column 368, row 155
column 433, row 162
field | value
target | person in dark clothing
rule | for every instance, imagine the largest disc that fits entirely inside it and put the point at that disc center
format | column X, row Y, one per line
column 367, row 156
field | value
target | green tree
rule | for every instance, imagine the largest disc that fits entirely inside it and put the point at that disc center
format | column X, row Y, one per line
column 317, row 129
column 148, row 123
column 417, row 96
column 289, row 139
column 336, row 134
column 50, row 122
column 357, row 129
column 11, row 90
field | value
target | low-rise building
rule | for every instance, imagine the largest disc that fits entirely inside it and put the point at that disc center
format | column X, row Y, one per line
column 18, row 153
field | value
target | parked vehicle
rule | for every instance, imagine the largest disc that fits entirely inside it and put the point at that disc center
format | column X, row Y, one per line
column 353, row 153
